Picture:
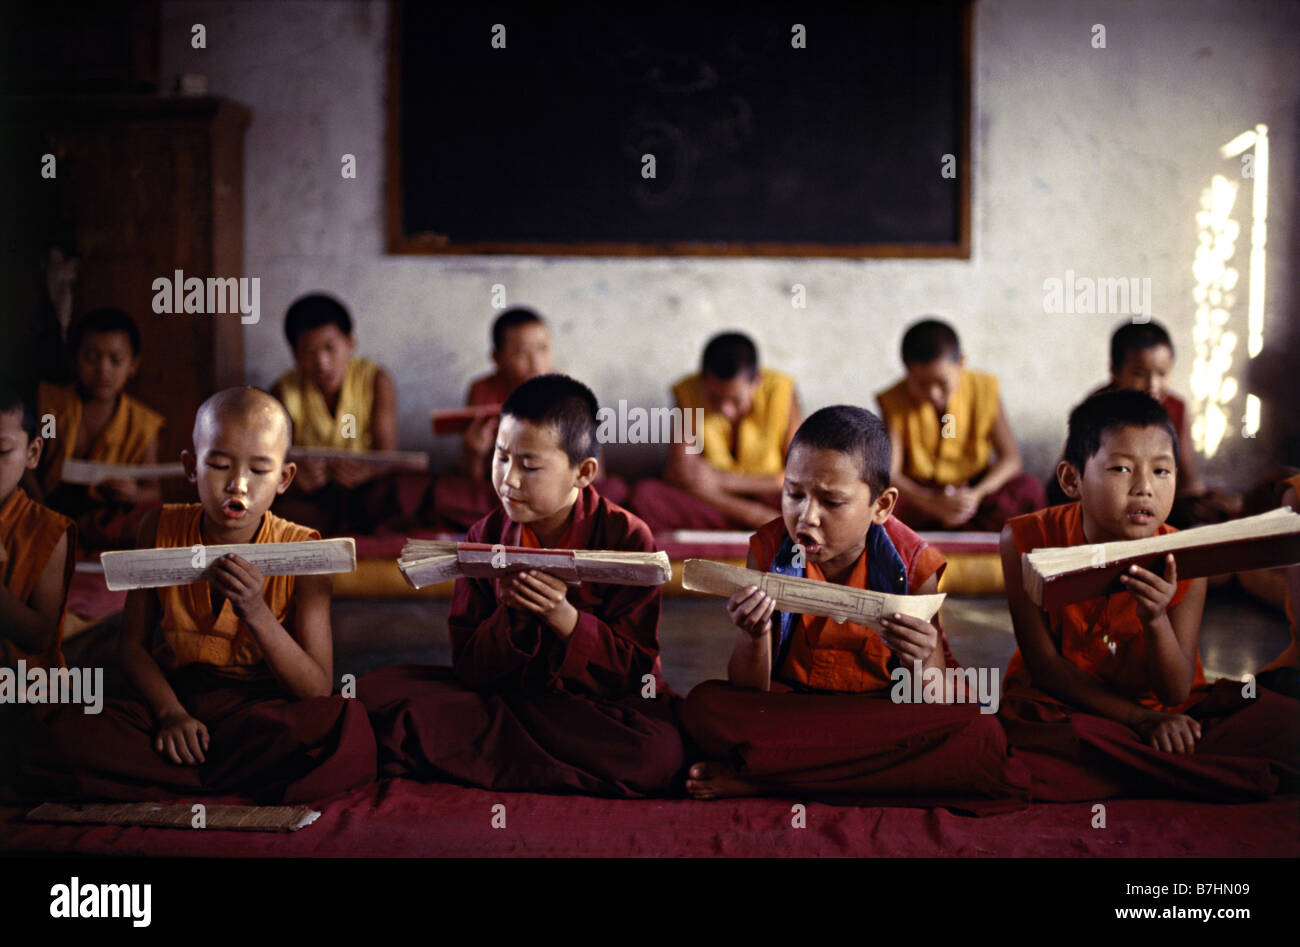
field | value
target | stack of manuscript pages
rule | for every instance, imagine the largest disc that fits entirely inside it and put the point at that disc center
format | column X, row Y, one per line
column 801, row 596
column 182, row 815
column 1056, row 577
column 424, row 562
column 92, row 472
column 459, row 420
column 185, row 565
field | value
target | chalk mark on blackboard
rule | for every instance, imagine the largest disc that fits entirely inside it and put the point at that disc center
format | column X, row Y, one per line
column 674, row 162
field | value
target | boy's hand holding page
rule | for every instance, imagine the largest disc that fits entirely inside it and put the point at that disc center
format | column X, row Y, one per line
column 311, row 475
column 750, row 610
column 121, row 490
column 350, row 473
column 1058, row 575
column 808, row 596
column 424, row 562
column 241, row 583
column 1151, row 592
column 460, row 420
column 544, row 596
column 910, row 638
column 481, row 434
column 180, row 565
column 92, row 472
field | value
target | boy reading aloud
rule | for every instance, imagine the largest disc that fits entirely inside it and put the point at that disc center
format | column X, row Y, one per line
column 809, row 704
column 336, row 400
column 521, row 349
column 1107, row 696
column 236, row 696
column 37, row 546
column 956, row 463
column 553, row 688
column 95, row 419
column 733, row 476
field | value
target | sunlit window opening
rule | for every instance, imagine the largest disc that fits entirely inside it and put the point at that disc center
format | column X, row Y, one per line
column 1213, row 382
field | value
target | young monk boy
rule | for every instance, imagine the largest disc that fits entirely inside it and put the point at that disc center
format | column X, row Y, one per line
column 237, row 696
column 95, row 419
column 813, row 705
column 731, row 476
column 342, row 401
column 37, row 546
column 521, row 349
column 37, row 549
column 956, row 463
column 1107, row 697
column 1142, row 359
column 553, row 688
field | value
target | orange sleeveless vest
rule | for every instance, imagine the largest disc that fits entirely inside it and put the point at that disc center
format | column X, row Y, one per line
column 29, row 533
column 191, row 633
column 844, row 656
column 1100, row 636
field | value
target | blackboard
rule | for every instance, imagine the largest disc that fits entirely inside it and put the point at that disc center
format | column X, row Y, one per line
column 810, row 129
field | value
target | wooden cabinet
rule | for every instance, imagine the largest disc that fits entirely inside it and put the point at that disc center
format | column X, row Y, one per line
column 152, row 185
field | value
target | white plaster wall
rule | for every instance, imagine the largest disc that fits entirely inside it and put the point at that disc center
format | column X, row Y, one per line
column 1084, row 159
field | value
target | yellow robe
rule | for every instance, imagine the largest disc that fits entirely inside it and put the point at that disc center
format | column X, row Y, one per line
column 124, row 439
column 29, row 532
column 760, row 441
column 191, row 633
column 969, row 418
column 313, row 424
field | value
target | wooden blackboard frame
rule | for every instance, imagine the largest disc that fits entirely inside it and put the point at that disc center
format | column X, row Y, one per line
column 427, row 244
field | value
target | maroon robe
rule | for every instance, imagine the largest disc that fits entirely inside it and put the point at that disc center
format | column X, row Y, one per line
column 1021, row 494
column 263, row 744
column 1249, row 747
column 796, row 740
column 388, row 502
column 525, row 710
column 665, row 507
column 459, row 501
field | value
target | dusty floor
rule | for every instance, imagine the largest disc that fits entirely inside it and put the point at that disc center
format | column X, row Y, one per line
column 1238, row 634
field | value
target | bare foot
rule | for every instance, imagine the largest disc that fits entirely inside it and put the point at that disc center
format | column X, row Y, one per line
column 717, row 780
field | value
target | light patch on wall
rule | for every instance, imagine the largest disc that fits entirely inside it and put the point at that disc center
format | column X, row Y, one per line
column 1250, row 421
column 1213, row 382
column 1258, row 139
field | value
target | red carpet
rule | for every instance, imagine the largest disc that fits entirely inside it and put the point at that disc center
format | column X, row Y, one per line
column 397, row 818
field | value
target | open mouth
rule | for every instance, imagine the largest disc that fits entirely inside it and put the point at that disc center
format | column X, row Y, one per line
column 234, row 509
column 1142, row 515
column 809, row 544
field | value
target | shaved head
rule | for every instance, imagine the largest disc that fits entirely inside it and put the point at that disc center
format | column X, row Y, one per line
column 250, row 406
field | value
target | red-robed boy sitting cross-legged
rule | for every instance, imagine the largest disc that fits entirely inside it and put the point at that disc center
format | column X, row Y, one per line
column 812, row 705
column 550, row 688
column 1107, row 697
